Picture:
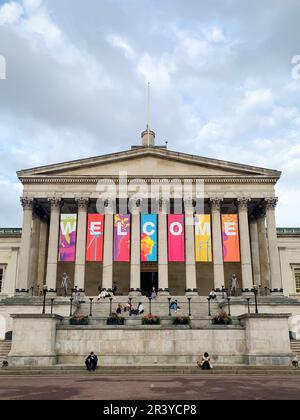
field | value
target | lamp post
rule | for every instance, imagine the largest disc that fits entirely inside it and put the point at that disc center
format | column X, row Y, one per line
column 32, row 289
column 228, row 300
column 169, row 299
column 44, row 299
column 52, row 302
column 150, row 299
column 223, row 289
column 208, row 300
column 190, row 312
column 110, row 304
column 254, row 290
column 71, row 307
column 91, row 306
column 38, row 292
column 130, row 307
column 248, row 302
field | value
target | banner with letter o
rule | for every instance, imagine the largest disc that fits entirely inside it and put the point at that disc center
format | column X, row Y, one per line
column 176, row 236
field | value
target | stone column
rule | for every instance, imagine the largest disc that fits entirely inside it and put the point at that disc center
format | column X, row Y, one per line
column 265, row 276
column 190, row 265
column 42, row 252
column 163, row 268
column 276, row 285
column 246, row 264
column 51, row 277
column 79, row 277
column 24, row 259
column 107, row 280
column 215, row 204
column 34, row 254
column 135, row 265
column 255, row 251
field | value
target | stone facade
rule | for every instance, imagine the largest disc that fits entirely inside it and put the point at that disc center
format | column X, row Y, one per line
column 267, row 259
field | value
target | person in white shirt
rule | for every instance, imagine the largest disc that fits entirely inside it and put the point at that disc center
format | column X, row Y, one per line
column 141, row 308
column 213, row 294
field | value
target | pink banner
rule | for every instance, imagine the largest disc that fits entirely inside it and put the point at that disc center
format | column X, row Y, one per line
column 95, row 233
column 67, row 237
column 176, row 238
column 122, row 238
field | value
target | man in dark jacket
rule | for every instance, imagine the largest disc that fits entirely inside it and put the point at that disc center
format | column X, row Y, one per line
column 91, row 361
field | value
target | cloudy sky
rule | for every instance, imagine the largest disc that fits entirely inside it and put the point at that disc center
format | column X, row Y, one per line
column 223, row 84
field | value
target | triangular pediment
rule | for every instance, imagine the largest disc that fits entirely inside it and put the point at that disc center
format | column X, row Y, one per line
column 149, row 161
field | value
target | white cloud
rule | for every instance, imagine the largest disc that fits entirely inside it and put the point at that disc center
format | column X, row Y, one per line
column 119, row 42
column 157, row 72
column 10, row 13
column 215, row 35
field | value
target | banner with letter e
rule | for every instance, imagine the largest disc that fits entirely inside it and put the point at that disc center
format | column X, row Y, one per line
column 230, row 236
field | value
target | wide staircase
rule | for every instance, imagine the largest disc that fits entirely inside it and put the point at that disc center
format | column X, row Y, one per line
column 295, row 346
column 5, row 347
column 198, row 307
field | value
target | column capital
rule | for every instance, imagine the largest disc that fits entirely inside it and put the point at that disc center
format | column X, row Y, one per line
column 163, row 204
column 271, row 203
column 243, row 203
column 27, row 203
column 55, row 202
column 82, row 202
column 215, row 203
column 189, row 205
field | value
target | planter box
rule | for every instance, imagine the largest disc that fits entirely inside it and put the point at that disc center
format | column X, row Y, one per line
column 79, row 322
column 115, row 321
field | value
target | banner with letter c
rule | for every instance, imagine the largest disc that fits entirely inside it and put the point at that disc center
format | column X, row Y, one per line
column 122, row 237
column 149, row 238
column 203, row 238
column 176, row 237
column 94, row 246
column 230, row 236
column 67, row 237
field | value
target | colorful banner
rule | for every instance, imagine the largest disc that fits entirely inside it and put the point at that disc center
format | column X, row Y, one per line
column 176, row 238
column 149, row 238
column 203, row 238
column 122, row 238
column 95, row 233
column 67, row 237
column 230, row 236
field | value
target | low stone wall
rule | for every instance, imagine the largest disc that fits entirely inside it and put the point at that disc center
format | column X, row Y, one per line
column 43, row 340
column 150, row 344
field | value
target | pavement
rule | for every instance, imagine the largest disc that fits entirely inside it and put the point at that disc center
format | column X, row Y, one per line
column 148, row 387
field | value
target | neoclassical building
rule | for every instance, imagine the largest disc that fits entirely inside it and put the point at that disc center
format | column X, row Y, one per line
column 217, row 201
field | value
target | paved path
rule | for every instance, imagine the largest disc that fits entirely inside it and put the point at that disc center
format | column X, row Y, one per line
column 186, row 387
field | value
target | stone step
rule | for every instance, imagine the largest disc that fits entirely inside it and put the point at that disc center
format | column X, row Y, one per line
column 151, row 370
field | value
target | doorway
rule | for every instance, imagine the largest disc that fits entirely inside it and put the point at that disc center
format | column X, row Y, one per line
column 148, row 281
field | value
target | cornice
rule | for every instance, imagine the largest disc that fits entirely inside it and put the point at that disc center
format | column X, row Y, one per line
column 86, row 179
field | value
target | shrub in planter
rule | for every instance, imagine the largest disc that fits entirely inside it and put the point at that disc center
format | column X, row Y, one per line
column 181, row 320
column 222, row 318
column 151, row 320
column 79, row 320
column 115, row 319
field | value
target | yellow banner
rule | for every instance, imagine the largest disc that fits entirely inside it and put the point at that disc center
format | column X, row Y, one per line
column 203, row 238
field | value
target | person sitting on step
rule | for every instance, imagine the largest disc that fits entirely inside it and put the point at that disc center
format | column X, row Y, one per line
column 204, row 362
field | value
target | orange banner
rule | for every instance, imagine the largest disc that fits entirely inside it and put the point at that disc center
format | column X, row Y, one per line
column 230, row 236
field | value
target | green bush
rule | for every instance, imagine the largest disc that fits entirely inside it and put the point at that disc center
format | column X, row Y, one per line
column 181, row 320
column 151, row 320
